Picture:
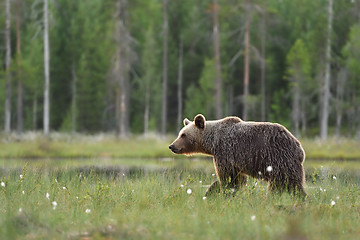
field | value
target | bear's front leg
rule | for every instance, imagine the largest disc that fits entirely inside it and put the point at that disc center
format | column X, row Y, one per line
column 213, row 189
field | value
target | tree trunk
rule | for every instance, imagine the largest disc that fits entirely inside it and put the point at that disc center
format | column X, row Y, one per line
column 147, row 107
column 303, row 121
column 34, row 118
column 179, row 90
column 165, row 70
column 74, row 96
column 7, row 68
column 46, row 69
column 122, row 67
column 296, row 106
column 246, row 60
column 218, row 80
column 20, row 85
column 326, row 90
column 340, row 85
column 117, row 109
column 263, row 66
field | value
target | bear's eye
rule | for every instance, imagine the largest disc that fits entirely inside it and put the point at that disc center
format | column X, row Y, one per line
column 183, row 135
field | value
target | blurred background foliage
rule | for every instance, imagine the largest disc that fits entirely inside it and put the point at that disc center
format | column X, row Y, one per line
column 107, row 61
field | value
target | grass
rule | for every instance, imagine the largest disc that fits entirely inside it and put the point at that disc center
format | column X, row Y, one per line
column 154, row 205
column 106, row 188
column 35, row 145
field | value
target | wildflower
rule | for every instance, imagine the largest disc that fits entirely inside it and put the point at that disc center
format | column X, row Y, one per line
column 204, row 198
column 334, row 177
column 87, row 210
column 269, row 168
column 47, row 195
column 2, row 184
column 23, row 192
column 20, row 209
column 54, row 204
column 253, row 217
column 332, row 203
column 189, row 191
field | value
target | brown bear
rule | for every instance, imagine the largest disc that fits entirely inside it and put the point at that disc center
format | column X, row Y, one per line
column 262, row 150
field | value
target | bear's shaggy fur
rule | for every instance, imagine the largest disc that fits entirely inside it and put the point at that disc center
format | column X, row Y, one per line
column 262, row 150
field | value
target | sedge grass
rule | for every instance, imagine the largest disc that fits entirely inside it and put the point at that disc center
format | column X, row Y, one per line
column 156, row 205
column 35, row 145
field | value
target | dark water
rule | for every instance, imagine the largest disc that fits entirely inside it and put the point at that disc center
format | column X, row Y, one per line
column 315, row 171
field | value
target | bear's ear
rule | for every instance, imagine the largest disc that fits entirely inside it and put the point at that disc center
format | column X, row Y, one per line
column 186, row 121
column 199, row 121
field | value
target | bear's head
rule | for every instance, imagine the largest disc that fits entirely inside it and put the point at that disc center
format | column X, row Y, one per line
column 190, row 136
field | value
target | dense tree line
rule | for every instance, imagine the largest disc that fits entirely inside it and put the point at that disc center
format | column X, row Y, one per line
column 141, row 66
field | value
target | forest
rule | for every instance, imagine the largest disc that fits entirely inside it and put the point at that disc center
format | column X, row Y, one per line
column 135, row 67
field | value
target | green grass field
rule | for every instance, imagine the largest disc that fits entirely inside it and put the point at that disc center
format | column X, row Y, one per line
column 135, row 203
column 76, row 187
column 35, row 145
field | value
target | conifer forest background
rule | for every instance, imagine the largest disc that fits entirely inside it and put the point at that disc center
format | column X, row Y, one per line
column 140, row 66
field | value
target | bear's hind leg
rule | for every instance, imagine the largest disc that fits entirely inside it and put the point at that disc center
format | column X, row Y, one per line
column 297, row 190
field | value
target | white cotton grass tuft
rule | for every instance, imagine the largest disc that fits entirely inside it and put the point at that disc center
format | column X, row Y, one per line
column 269, row 168
column 332, row 203
column 20, row 209
column 253, row 217
column 204, row 198
column 189, row 191
column 23, row 192
column 47, row 195
column 213, row 174
column 87, row 211
column 182, row 185
column 259, row 173
column 54, row 204
column 64, row 188
column 334, row 177
column 3, row 184
column 21, row 176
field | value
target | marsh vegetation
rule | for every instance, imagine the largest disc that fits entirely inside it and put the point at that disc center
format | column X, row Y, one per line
column 148, row 198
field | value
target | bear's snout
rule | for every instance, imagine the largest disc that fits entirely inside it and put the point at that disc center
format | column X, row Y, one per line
column 174, row 149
